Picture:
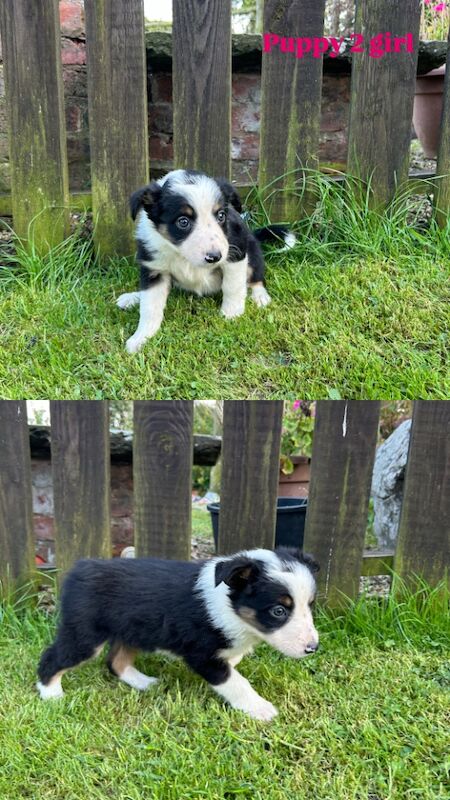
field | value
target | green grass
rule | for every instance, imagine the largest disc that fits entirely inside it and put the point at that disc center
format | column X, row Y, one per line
column 365, row 719
column 360, row 309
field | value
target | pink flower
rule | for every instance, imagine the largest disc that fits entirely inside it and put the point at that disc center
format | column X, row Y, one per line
column 427, row 2
column 440, row 7
column 296, row 404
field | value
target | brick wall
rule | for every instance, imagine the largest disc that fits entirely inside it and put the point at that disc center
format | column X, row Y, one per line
column 121, row 507
column 246, row 99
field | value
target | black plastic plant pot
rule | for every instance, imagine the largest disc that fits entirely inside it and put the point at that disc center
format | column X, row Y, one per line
column 290, row 526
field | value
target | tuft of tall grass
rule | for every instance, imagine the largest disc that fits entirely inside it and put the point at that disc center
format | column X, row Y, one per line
column 343, row 221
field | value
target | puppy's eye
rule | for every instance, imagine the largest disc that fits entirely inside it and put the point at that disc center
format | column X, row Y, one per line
column 221, row 216
column 183, row 223
column 278, row 611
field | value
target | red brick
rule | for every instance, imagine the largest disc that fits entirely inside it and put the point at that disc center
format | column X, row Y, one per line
column 245, row 87
column 71, row 15
column 43, row 527
column 161, row 148
column 162, row 88
column 161, row 118
column 74, row 117
column 73, row 52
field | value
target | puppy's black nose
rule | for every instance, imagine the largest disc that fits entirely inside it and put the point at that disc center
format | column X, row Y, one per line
column 312, row 647
column 213, row 257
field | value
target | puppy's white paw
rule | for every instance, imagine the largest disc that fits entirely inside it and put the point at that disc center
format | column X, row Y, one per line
column 260, row 296
column 137, row 679
column 232, row 310
column 50, row 692
column 135, row 342
column 261, row 709
column 128, row 300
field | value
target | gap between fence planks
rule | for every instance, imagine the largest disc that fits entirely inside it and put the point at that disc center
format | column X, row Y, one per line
column 250, row 470
column 442, row 201
column 37, row 136
column 162, row 472
column 344, row 442
column 423, row 545
column 117, row 96
column 290, row 109
column 81, row 480
column 16, row 514
column 380, row 131
column 201, row 62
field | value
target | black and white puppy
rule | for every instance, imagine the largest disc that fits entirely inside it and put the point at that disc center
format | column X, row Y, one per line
column 189, row 232
column 210, row 613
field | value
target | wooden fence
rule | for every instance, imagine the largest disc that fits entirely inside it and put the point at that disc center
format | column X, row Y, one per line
column 342, row 460
column 380, row 122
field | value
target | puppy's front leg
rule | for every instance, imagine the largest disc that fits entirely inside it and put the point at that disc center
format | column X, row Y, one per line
column 234, row 288
column 234, row 688
column 152, row 303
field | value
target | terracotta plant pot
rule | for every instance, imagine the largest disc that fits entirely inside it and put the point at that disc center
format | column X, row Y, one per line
column 427, row 114
column 296, row 484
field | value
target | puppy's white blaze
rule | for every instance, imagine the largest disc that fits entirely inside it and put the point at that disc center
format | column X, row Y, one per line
column 293, row 637
column 234, row 288
column 237, row 691
column 136, row 679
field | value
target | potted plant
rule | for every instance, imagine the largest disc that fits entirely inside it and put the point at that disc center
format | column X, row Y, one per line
column 296, row 446
column 428, row 99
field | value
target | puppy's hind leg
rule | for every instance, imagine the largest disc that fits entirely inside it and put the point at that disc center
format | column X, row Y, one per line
column 120, row 663
column 62, row 655
column 152, row 304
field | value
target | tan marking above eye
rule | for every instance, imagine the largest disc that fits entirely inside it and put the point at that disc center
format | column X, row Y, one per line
column 188, row 211
column 286, row 600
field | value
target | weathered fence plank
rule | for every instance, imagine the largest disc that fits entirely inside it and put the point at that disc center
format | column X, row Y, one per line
column 117, row 117
column 250, row 470
column 344, row 444
column 81, row 479
column 16, row 518
column 290, row 107
column 382, row 96
column 423, row 545
column 202, row 85
column 37, row 138
column 442, row 202
column 162, row 470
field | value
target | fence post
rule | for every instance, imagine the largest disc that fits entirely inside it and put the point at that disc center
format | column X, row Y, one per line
column 382, row 96
column 162, row 470
column 16, row 515
column 202, row 85
column 290, row 108
column 117, row 98
column 344, row 442
column 81, row 480
column 37, row 137
column 423, row 544
column 442, row 201
column 250, row 470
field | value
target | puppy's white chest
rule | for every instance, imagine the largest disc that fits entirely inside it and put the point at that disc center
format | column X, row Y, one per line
column 196, row 279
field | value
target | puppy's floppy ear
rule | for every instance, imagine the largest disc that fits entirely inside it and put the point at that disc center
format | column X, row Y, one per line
column 299, row 555
column 237, row 572
column 145, row 198
column 310, row 562
column 230, row 193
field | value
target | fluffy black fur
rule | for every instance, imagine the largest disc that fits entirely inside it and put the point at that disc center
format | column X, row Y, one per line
column 148, row 604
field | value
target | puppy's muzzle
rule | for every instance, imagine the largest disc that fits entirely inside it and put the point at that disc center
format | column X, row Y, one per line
column 312, row 647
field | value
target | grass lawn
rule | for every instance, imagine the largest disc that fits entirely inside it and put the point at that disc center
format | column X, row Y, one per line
column 367, row 718
column 360, row 310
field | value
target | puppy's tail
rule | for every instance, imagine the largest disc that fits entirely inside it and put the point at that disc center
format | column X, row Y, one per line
column 276, row 234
